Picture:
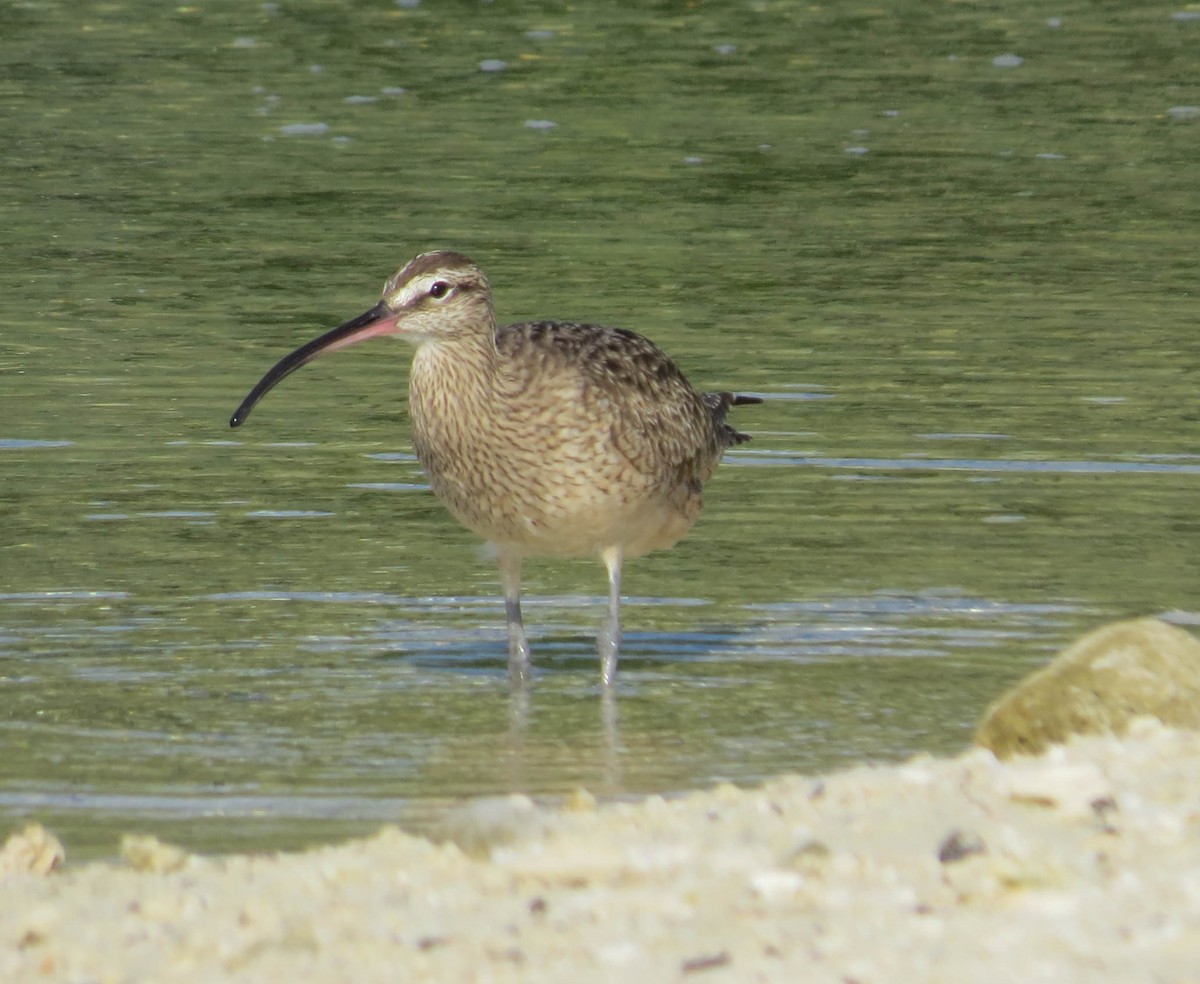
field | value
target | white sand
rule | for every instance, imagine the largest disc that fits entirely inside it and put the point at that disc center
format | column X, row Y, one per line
column 1086, row 868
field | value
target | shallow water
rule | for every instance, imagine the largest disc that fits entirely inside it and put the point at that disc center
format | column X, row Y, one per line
column 964, row 290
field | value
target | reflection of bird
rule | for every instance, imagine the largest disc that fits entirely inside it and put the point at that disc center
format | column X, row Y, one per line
column 546, row 438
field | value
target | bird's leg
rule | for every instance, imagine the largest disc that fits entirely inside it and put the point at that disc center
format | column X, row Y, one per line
column 518, row 645
column 608, row 642
column 612, row 740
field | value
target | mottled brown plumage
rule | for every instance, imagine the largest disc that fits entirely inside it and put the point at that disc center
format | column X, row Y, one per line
column 545, row 438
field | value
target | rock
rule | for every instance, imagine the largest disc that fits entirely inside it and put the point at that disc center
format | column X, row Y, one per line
column 1099, row 685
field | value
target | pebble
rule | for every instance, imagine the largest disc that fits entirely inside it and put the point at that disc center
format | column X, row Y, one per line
column 33, row 851
column 1071, row 788
column 774, row 886
column 144, row 852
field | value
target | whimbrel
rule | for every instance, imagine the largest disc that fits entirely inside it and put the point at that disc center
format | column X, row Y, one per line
column 546, row 438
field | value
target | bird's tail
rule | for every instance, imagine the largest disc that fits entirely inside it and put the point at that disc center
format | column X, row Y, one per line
column 719, row 404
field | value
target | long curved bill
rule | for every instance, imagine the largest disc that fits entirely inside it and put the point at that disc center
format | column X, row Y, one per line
column 380, row 320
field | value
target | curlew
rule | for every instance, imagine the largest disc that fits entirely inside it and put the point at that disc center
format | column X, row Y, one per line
column 546, row 438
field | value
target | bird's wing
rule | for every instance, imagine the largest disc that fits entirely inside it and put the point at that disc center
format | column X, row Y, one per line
column 656, row 418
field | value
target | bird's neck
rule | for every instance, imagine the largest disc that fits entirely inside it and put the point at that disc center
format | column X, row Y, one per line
column 450, row 385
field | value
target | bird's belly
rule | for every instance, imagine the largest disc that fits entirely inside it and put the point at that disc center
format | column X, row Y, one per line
column 567, row 502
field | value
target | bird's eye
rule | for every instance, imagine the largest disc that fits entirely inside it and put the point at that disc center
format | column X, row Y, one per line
column 439, row 288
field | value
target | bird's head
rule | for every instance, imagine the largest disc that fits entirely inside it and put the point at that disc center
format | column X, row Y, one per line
column 438, row 296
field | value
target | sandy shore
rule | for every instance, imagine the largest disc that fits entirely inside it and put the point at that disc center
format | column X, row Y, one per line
column 1081, row 865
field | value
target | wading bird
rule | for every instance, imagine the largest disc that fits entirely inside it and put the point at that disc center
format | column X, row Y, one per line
column 546, row 438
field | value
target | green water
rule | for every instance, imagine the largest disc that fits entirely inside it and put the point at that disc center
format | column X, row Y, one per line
column 967, row 291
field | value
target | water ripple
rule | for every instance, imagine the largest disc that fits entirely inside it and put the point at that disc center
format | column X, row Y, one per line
column 17, row 444
column 768, row 459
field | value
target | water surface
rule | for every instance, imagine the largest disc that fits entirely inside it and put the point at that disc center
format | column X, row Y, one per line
column 962, row 281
